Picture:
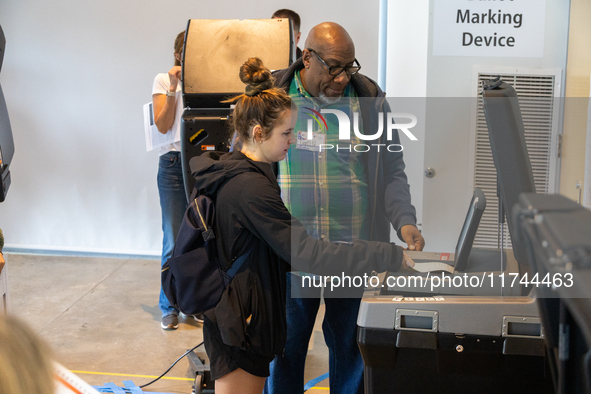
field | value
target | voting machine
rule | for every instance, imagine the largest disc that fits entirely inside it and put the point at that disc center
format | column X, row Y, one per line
column 465, row 337
column 557, row 235
column 213, row 53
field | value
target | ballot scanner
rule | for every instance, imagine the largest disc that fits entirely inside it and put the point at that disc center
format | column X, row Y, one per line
column 481, row 333
column 213, row 52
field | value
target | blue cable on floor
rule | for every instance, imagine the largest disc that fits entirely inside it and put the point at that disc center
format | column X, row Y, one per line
column 130, row 388
column 315, row 381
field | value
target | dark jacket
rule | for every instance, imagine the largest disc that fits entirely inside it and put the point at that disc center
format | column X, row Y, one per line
column 388, row 186
column 251, row 215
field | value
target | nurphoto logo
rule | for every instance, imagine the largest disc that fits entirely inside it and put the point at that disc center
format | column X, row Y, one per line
column 385, row 121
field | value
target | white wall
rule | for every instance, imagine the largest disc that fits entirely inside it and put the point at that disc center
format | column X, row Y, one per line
column 75, row 77
column 407, row 39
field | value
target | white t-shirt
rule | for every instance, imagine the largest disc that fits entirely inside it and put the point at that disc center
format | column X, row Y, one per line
column 161, row 86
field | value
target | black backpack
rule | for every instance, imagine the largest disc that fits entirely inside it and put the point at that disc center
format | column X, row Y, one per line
column 193, row 279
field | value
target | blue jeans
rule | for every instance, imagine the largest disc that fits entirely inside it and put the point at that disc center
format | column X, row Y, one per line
column 173, row 203
column 340, row 334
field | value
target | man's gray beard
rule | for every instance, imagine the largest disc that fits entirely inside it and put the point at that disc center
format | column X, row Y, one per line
column 328, row 100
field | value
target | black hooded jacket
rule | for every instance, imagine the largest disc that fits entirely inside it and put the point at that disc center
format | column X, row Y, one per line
column 250, row 215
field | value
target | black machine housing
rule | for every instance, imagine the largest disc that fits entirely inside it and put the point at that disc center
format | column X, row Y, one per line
column 556, row 234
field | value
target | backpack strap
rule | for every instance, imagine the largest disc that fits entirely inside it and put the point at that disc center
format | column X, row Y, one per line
column 238, row 263
column 208, row 233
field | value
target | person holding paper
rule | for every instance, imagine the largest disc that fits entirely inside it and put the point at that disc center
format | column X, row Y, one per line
column 168, row 109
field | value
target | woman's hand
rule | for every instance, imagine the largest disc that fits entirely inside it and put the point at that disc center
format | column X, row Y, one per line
column 175, row 76
column 164, row 105
column 407, row 264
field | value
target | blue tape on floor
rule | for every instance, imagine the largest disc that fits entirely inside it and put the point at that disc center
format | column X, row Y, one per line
column 315, row 381
column 133, row 388
column 130, row 388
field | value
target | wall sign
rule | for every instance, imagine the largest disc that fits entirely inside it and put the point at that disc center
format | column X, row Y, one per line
column 499, row 28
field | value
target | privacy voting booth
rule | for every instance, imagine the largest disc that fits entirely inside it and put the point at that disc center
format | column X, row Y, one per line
column 481, row 333
column 213, row 53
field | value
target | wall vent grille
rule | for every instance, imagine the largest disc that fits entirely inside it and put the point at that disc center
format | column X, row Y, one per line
column 536, row 100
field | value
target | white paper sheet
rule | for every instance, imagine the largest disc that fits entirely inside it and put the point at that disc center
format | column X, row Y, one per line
column 154, row 138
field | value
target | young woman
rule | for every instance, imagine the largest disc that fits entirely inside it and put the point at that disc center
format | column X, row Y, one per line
column 245, row 331
column 168, row 108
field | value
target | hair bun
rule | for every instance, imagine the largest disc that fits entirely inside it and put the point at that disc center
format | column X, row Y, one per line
column 254, row 73
column 253, row 90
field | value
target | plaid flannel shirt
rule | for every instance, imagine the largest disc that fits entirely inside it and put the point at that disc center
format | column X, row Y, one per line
column 326, row 190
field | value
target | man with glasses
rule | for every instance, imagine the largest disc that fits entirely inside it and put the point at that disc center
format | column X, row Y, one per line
column 339, row 195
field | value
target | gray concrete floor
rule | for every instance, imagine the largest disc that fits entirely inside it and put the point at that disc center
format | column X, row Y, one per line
column 101, row 318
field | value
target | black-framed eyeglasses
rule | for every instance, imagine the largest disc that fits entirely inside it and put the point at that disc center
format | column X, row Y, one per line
column 334, row 71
